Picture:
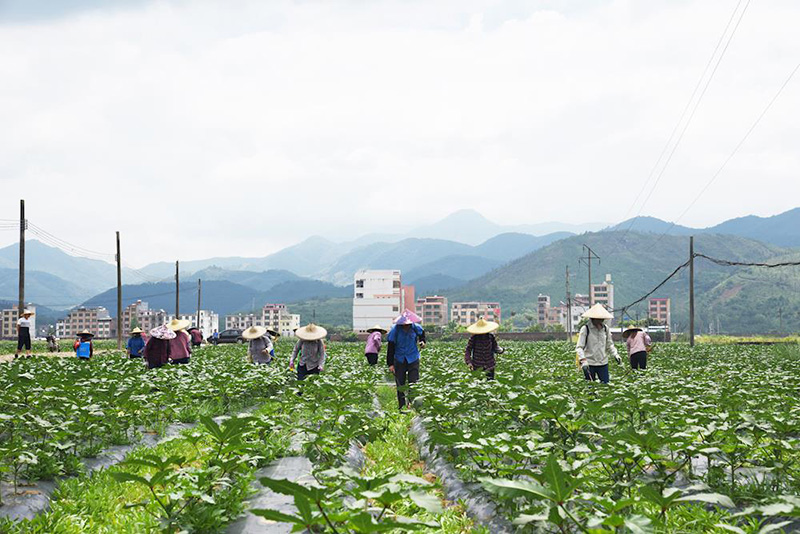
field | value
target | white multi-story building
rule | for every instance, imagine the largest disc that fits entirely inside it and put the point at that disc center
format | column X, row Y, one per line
column 95, row 320
column 240, row 321
column 8, row 322
column 603, row 293
column 577, row 316
column 377, row 298
column 209, row 321
column 466, row 313
column 273, row 316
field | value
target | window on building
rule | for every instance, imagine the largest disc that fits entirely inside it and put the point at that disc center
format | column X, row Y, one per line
column 396, row 284
column 395, row 309
column 359, row 295
column 359, row 283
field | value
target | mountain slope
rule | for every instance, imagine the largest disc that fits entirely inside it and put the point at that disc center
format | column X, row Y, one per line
column 91, row 275
column 41, row 288
column 636, row 268
column 459, row 267
column 782, row 229
column 260, row 281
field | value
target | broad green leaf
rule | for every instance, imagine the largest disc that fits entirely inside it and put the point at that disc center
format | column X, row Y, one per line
column 426, row 501
column 712, row 498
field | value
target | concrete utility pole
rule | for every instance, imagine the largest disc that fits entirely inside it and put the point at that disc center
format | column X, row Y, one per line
column 177, row 291
column 569, row 308
column 119, row 297
column 22, row 227
column 590, row 255
column 199, row 290
column 691, row 291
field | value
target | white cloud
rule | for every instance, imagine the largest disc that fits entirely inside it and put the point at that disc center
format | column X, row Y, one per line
column 219, row 128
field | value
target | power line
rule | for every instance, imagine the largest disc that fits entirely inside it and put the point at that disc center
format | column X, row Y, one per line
column 731, row 155
column 659, row 286
column 680, row 120
column 731, row 263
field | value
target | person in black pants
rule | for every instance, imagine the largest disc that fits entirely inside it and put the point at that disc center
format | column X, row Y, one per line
column 638, row 343
column 309, row 351
column 373, row 346
column 402, row 355
column 24, row 333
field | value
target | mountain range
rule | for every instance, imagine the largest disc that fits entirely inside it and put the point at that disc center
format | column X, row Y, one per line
column 782, row 229
column 512, row 267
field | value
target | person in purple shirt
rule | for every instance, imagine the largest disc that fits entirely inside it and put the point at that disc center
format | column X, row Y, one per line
column 374, row 342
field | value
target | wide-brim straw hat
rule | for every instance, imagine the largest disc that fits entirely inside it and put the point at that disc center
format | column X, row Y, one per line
column 28, row 312
column 136, row 330
column 630, row 330
column 377, row 328
column 178, row 324
column 254, row 332
column 311, row 332
column 407, row 317
column 163, row 332
column 85, row 333
column 598, row 311
column 483, row 326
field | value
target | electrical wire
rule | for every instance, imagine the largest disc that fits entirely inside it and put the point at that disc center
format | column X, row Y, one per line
column 730, row 156
column 678, row 269
column 730, row 263
column 680, row 120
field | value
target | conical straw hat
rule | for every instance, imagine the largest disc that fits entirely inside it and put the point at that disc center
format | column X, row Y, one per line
column 598, row 311
column 136, row 330
column 377, row 328
column 482, row 326
column 630, row 330
column 311, row 332
column 178, row 324
column 254, row 332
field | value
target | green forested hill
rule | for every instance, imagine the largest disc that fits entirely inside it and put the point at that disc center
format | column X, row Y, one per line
column 637, row 263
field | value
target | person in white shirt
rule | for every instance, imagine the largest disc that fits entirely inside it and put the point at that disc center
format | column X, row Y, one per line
column 24, row 334
column 595, row 343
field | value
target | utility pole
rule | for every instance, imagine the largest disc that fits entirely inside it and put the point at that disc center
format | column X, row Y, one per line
column 590, row 255
column 119, row 296
column 199, row 292
column 780, row 320
column 569, row 308
column 22, row 226
column 691, row 291
column 177, row 291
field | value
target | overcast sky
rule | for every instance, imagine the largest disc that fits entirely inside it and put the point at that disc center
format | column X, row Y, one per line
column 203, row 128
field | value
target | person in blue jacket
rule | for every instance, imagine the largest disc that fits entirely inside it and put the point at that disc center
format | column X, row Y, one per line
column 402, row 355
column 84, row 348
column 135, row 344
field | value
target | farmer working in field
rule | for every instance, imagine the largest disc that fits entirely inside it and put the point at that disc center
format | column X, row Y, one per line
column 156, row 350
column 638, row 343
column 179, row 347
column 482, row 346
column 311, row 350
column 594, row 344
column 84, row 348
column 135, row 344
column 402, row 355
column 259, row 349
column 24, row 333
column 374, row 342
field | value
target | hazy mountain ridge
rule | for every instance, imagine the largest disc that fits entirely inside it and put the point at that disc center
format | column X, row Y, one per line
column 782, row 229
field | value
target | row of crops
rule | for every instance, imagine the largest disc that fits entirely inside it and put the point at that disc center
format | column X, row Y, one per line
column 706, row 440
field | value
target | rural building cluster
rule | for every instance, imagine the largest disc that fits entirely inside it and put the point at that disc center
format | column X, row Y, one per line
column 379, row 296
column 276, row 317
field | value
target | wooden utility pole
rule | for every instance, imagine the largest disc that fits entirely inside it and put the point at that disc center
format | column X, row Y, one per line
column 22, row 226
column 569, row 308
column 177, row 291
column 199, row 292
column 590, row 255
column 119, row 297
column 691, row 291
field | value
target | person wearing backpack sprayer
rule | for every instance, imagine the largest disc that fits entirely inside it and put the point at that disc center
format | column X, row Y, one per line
column 595, row 343
column 84, row 349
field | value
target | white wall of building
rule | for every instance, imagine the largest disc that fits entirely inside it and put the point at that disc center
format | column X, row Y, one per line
column 377, row 298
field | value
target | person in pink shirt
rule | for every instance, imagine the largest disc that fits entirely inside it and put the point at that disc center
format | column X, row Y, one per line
column 374, row 342
column 638, row 343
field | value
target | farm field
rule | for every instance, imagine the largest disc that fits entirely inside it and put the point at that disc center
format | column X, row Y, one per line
column 705, row 440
